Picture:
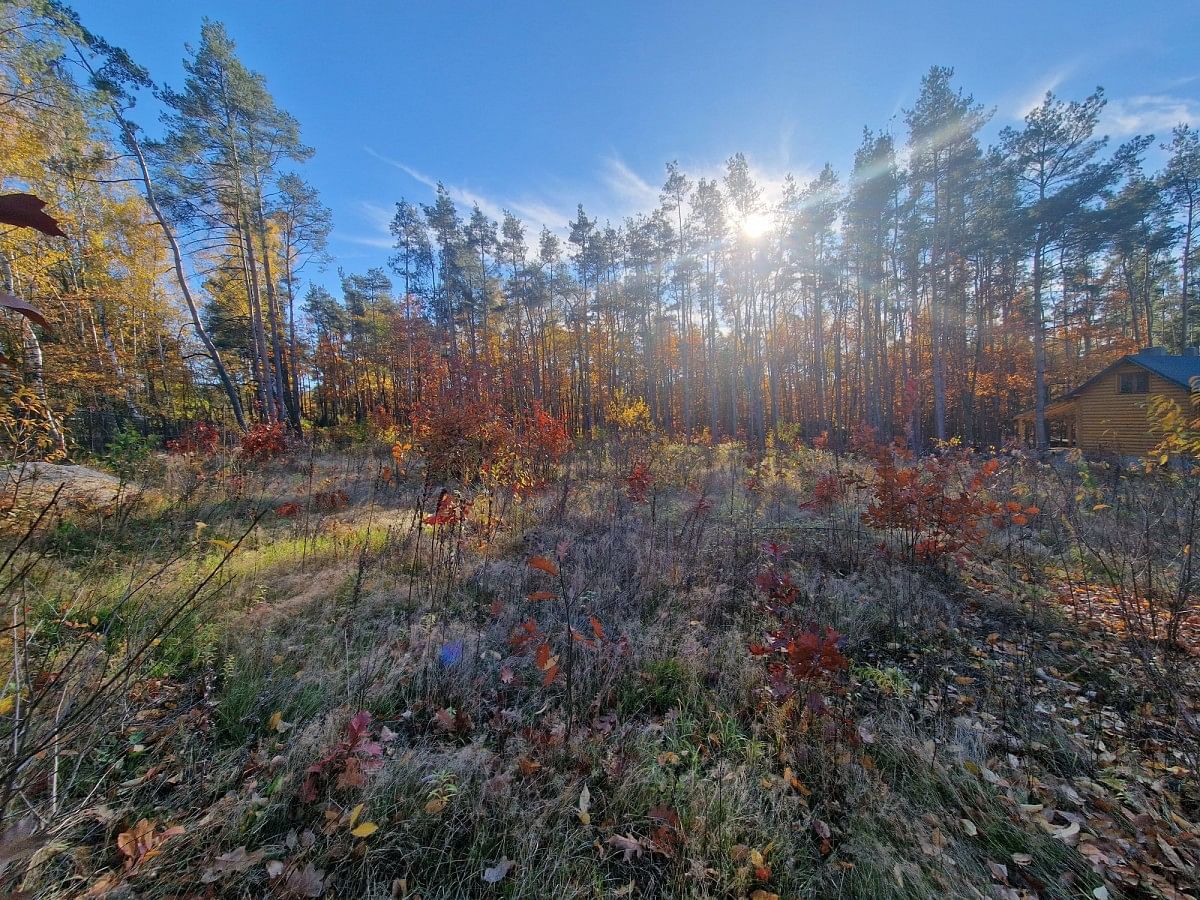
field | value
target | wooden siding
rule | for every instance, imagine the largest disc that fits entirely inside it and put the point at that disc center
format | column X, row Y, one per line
column 1111, row 422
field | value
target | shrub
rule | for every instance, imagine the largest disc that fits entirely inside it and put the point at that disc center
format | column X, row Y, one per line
column 803, row 660
column 264, row 441
column 464, row 434
column 638, row 483
column 355, row 756
column 629, row 415
column 129, row 452
column 938, row 506
column 459, row 434
column 526, row 461
column 200, row 437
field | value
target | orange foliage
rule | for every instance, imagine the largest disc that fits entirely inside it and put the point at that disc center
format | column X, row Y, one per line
column 938, row 505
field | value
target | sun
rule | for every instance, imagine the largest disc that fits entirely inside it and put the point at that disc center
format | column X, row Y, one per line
column 756, row 225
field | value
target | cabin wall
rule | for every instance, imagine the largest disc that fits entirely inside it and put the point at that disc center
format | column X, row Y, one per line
column 1111, row 422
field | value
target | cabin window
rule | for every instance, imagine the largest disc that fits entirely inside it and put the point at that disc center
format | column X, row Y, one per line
column 1134, row 383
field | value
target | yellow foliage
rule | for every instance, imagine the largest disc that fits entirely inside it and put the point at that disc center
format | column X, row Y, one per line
column 630, row 415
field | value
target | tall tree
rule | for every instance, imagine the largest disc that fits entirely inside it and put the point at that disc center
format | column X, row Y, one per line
column 225, row 139
column 943, row 125
column 1059, row 176
column 1182, row 182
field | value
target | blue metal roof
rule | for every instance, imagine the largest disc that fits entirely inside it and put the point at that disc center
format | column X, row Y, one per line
column 1179, row 369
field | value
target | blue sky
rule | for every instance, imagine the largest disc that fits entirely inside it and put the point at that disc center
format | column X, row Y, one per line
column 537, row 106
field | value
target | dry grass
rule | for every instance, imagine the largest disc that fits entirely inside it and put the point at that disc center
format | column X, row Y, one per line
column 955, row 704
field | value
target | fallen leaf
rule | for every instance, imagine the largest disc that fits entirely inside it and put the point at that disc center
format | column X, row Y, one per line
column 1066, row 832
column 237, row 860
column 628, row 845
column 306, row 882
column 495, row 873
column 366, row 829
column 527, row 765
column 585, row 799
column 276, row 723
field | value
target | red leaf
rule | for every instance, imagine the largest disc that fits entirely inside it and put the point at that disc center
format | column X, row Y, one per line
column 8, row 301
column 546, row 565
column 25, row 211
column 597, row 629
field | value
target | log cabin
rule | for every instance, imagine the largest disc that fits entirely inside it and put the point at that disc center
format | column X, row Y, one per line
column 1108, row 413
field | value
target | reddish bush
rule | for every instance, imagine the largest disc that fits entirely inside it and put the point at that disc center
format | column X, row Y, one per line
column 828, row 490
column 451, row 510
column 638, row 483
column 328, row 501
column 526, row 461
column 545, row 440
column 199, row 437
column 801, row 659
column 463, row 432
column 806, row 658
column 288, row 510
column 938, row 506
column 459, row 433
column 354, row 757
column 264, row 441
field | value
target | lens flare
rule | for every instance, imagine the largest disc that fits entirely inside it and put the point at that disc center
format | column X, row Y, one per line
column 756, row 225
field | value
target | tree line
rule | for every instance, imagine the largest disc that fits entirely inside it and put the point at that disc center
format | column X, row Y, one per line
column 934, row 290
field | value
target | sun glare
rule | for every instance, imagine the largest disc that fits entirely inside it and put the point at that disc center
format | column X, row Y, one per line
column 756, row 225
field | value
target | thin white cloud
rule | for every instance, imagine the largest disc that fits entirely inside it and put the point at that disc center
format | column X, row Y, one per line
column 1148, row 113
column 535, row 212
column 380, row 216
column 380, row 243
column 1175, row 83
column 379, row 219
column 539, row 213
column 1031, row 98
column 627, row 186
column 617, row 191
column 464, row 196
